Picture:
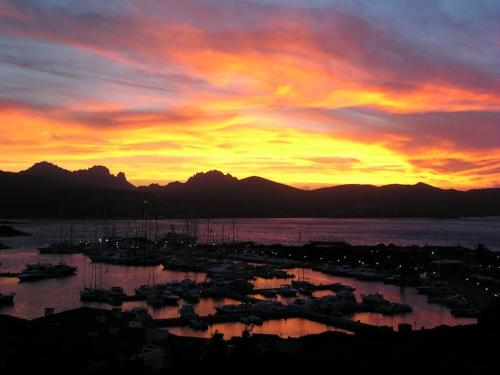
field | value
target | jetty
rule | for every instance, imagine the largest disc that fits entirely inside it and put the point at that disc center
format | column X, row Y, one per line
column 337, row 322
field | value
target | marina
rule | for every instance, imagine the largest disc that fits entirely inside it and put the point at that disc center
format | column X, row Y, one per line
column 215, row 281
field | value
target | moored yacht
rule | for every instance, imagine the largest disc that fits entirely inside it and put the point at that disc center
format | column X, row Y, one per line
column 287, row 291
column 116, row 295
column 373, row 298
column 38, row 271
column 93, row 295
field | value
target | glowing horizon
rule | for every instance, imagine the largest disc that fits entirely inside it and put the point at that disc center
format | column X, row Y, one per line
column 306, row 93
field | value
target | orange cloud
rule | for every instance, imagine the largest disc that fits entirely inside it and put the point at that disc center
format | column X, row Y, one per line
column 299, row 95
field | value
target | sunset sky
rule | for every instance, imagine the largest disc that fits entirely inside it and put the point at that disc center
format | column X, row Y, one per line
column 308, row 93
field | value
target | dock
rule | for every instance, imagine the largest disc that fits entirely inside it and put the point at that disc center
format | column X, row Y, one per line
column 311, row 287
column 337, row 322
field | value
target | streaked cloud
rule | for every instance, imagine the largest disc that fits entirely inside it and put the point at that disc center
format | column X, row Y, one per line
column 317, row 92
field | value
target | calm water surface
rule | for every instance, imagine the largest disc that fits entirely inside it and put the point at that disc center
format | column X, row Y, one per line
column 467, row 231
column 63, row 294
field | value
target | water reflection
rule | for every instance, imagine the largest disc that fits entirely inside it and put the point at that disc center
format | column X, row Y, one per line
column 424, row 314
column 465, row 231
column 293, row 327
column 62, row 294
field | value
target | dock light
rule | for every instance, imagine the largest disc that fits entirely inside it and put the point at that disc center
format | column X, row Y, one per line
column 486, row 289
column 466, row 279
column 477, row 283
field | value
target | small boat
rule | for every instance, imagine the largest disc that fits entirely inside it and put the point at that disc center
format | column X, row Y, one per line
column 116, row 295
column 144, row 291
column 373, row 298
column 229, row 309
column 169, row 297
column 93, row 295
column 389, row 308
column 270, row 293
column 7, row 298
column 287, row 291
column 198, row 325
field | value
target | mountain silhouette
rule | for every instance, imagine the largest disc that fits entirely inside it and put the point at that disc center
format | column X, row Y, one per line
column 46, row 190
column 47, row 173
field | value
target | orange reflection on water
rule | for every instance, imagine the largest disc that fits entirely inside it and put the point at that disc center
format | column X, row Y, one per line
column 293, row 327
column 424, row 314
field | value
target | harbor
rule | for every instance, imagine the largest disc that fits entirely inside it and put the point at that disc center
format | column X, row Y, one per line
column 255, row 283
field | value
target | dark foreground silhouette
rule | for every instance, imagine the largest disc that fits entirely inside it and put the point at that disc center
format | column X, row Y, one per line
column 92, row 341
column 45, row 190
